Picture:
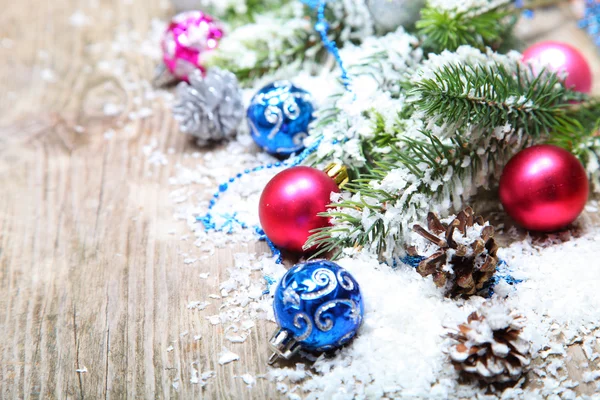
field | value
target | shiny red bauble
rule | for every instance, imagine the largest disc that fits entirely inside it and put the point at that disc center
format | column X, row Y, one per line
column 544, row 188
column 290, row 203
column 561, row 58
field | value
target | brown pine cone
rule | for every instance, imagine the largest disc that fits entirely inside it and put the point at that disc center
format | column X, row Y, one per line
column 461, row 264
column 490, row 346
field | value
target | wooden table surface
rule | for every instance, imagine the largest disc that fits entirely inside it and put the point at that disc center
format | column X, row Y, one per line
column 90, row 279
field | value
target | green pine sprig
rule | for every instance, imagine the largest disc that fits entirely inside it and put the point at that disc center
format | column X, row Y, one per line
column 443, row 29
column 424, row 156
column 492, row 96
column 278, row 38
column 275, row 47
column 587, row 114
column 243, row 12
column 470, row 101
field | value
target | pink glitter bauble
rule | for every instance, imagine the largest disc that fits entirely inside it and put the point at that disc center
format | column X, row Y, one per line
column 189, row 35
column 561, row 58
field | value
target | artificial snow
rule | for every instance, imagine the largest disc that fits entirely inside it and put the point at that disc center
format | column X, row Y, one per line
column 198, row 305
column 226, row 356
column 249, row 380
column 200, row 379
column 79, row 19
column 400, row 350
column 590, row 376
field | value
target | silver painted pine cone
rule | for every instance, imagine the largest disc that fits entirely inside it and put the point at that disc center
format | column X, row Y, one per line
column 490, row 347
column 209, row 107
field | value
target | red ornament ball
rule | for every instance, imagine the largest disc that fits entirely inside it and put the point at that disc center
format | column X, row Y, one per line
column 561, row 58
column 290, row 203
column 544, row 188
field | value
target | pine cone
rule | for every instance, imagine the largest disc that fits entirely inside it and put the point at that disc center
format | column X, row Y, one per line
column 209, row 108
column 464, row 264
column 490, row 346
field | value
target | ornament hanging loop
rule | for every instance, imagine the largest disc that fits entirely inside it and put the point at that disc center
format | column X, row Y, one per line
column 283, row 344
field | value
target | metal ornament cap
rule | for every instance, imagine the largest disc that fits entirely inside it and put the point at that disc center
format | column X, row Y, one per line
column 318, row 306
column 283, row 345
column 339, row 174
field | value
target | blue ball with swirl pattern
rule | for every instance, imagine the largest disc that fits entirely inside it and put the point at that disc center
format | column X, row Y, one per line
column 318, row 306
column 278, row 116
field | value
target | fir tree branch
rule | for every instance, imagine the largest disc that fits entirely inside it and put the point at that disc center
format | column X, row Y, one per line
column 585, row 143
column 252, row 9
column 492, row 96
column 285, row 37
column 482, row 116
column 272, row 41
column 240, row 12
column 443, row 29
column 426, row 163
column 587, row 114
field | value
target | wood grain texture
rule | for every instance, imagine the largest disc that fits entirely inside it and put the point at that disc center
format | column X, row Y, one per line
column 89, row 276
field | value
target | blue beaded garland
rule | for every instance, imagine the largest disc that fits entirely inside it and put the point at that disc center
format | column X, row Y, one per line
column 318, row 305
column 591, row 20
column 322, row 27
column 278, row 116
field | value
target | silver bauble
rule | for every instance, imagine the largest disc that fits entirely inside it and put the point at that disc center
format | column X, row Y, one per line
column 389, row 15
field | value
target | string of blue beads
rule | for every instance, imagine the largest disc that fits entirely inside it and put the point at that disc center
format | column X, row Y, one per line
column 527, row 13
column 502, row 274
column 223, row 187
column 208, row 219
column 322, row 27
column 591, row 20
column 262, row 236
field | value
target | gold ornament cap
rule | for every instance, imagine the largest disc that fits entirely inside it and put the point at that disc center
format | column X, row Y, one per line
column 339, row 173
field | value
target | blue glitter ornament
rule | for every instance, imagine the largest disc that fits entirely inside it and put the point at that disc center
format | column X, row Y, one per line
column 318, row 307
column 279, row 115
